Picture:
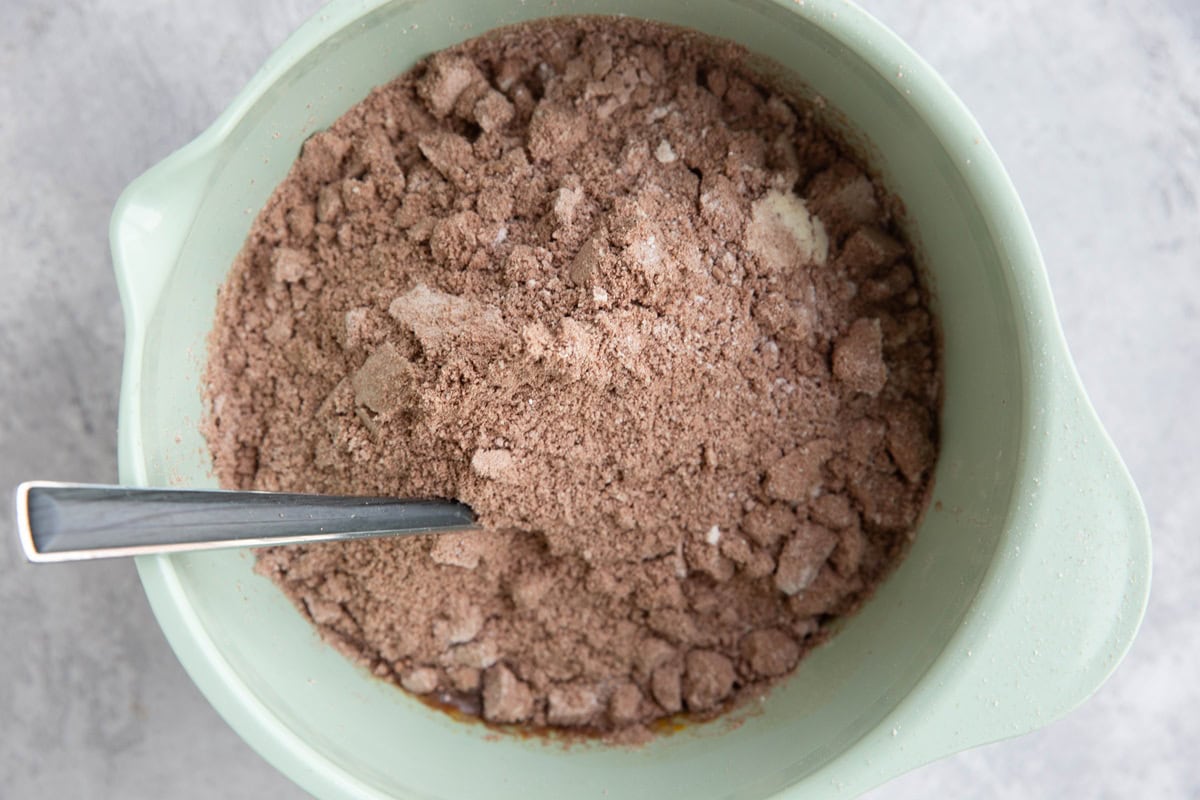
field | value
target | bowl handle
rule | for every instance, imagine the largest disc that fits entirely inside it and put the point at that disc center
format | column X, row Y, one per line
column 1066, row 594
column 149, row 224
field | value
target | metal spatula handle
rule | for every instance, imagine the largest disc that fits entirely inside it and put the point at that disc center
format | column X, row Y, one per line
column 70, row 521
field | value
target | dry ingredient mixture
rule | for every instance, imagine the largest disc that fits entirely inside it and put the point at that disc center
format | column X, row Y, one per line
column 643, row 314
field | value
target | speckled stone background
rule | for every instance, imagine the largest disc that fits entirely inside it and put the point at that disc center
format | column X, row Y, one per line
column 1093, row 105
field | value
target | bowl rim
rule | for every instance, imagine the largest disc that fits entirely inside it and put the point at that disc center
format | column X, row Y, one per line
column 935, row 716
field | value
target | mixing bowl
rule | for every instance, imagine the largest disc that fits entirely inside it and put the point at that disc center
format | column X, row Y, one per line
column 1023, row 590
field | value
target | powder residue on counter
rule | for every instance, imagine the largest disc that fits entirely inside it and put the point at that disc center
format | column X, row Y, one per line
column 643, row 314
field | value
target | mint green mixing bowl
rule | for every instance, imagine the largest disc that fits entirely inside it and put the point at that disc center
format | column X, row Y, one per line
column 1025, row 586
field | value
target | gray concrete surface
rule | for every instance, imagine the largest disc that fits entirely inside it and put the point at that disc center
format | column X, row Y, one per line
column 1093, row 105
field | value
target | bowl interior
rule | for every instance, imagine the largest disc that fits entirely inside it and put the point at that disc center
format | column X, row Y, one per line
column 394, row 744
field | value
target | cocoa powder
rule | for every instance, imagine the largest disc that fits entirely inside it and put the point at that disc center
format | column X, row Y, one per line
column 640, row 311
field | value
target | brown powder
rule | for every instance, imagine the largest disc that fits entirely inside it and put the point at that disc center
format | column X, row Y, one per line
column 643, row 314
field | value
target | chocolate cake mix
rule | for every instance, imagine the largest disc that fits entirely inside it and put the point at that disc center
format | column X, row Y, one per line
column 638, row 309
